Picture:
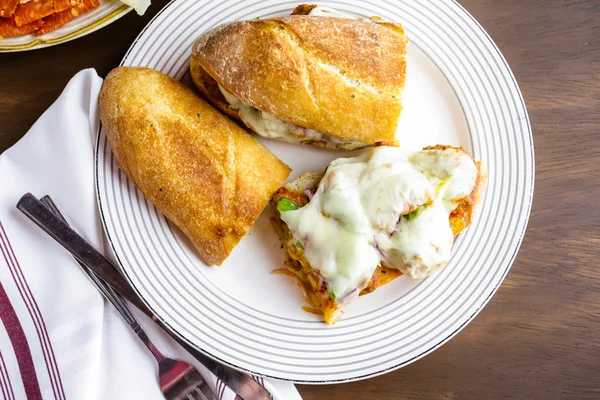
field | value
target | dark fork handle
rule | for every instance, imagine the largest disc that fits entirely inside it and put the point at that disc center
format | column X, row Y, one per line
column 168, row 369
column 240, row 383
column 77, row 246
column 111, row 295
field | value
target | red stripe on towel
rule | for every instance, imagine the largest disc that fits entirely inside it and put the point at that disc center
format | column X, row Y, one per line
column 4, row 385
column 20, row 346
column 34, row 312
column 6, row 379
column 220, row 388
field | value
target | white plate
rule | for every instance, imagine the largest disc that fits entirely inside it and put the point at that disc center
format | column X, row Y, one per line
column 108, row 11
column 459, row 91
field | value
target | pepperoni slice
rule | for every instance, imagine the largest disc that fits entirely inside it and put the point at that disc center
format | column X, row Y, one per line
column 7, row 7
column 62, row 5
column 9, row 28
column 57, row 20
column 32, row 11
column 90, row 4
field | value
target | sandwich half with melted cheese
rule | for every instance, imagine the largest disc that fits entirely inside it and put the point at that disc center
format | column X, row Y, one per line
column 369, row 219
column 312, row 79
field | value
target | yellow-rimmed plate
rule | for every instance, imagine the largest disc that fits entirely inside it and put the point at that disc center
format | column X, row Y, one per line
column 107, row 12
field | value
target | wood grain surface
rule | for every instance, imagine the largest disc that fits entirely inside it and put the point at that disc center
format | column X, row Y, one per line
column 539, row 337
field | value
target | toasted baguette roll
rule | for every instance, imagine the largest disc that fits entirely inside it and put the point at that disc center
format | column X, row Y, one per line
column 200, row 169
column 339, row 77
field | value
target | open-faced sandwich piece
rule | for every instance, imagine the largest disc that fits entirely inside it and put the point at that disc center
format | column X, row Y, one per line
column 330, row 82
column 372, row 218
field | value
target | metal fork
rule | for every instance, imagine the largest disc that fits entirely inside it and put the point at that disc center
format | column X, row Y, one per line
column 240, row 383
column 177, row 379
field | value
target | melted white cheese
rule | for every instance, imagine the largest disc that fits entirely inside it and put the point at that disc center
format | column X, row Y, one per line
column 329, row 12
column 269, row 126
column 421, row 245
column 354, row 220
column 140, row 6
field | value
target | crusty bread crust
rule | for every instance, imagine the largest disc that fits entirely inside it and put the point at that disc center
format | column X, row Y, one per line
column 209, row 87
column 340, row 77
column 200, row 169
column 307, row 180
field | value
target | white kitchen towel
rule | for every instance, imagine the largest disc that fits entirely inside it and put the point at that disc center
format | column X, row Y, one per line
column 59, row 338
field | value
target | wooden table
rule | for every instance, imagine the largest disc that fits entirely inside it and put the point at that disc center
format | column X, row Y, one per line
column 539, row 337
